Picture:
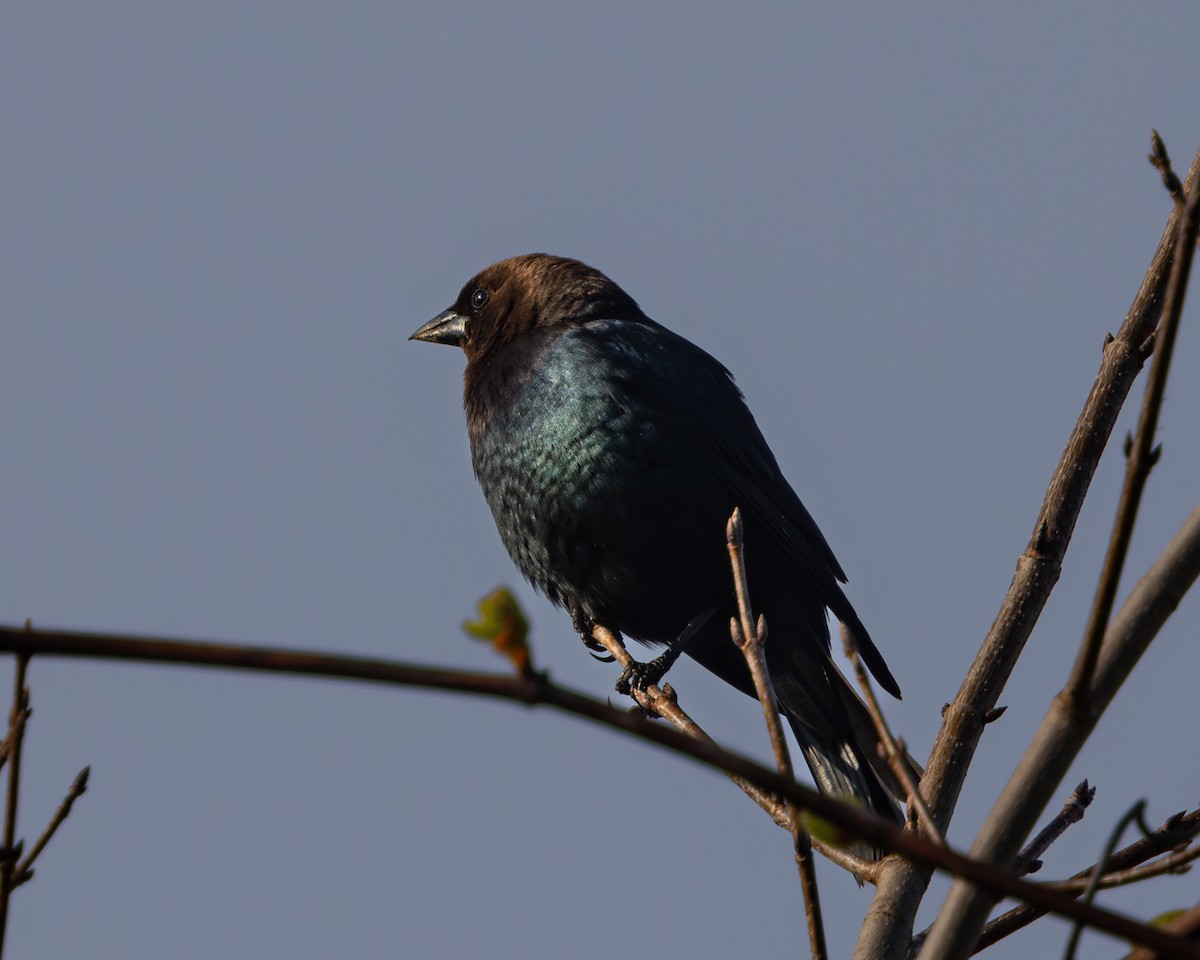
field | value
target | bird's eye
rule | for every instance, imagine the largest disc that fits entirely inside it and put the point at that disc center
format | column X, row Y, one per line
column 479, row 298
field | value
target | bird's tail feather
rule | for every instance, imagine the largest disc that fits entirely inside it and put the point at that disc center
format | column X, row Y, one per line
column 850, row 765
column 840, row 770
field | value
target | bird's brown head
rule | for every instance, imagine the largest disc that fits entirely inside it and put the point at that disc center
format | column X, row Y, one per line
column 521, row 294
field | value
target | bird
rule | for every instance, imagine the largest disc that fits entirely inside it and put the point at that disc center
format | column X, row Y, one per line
column 612, row 452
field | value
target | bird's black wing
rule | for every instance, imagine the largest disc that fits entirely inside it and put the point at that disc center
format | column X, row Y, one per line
column 695, row 396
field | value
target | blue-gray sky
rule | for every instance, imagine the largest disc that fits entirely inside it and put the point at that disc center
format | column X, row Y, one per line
column 906, row 231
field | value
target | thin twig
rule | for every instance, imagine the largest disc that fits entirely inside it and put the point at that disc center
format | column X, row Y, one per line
column 1141, row 454
column 1172, row 864
column 752, row 648
column 1020, row 917
column 1029, row 860
column 1135, row 814
column 7, row 742
column 24, row 872
column 6, row 746
column 751, row 639
column 1162, row 163
column 652, row 698
column 16, row 727
column 1125, row 866
column 539, row 690
column 663, row 703
column 892, row 751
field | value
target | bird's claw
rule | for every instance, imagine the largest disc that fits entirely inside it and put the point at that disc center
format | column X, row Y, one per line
column 638, row 676
column 591, row 642
column 584, row 625
column 631, row 679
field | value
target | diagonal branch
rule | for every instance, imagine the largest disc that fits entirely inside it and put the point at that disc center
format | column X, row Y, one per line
column 1065, row 730
column 24, row 871
column 887, row 930
column 1124, row 867
column 537, row 689
column 1074, row 712
column 1141, row 455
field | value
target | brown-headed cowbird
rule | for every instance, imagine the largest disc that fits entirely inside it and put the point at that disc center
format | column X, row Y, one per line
column 611, row 452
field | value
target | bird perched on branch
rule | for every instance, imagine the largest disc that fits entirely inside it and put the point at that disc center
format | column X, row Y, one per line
column 612, row 452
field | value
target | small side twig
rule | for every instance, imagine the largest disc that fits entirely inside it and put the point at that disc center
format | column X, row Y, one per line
column 1135, row 814
column 24, row 871
column 1029, row 860
column 16, row 734
column 750, row 638
column 892, row 750
column 1162, row 163
column 1172, row 864
column 1126, row 866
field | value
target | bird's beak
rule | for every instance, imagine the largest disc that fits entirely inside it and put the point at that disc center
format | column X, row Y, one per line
column 447, row 327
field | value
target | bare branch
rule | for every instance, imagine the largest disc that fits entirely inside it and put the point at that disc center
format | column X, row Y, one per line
column 863, row 869
column 539, row 690
column 16, row 734
column 887, row 930
column 892, row 750
column 1020, row 917
column 1029, row 859
column 1162, row 163
column 1136, row 814
column 1125, row 866
column 24, row 871
column 1141, row 454
column 750, row 638
column 1064, row 730
column 662, row 702
column 1172, row 864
